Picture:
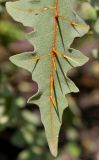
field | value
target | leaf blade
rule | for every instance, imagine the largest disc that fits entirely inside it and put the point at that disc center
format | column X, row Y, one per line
column 51, row 96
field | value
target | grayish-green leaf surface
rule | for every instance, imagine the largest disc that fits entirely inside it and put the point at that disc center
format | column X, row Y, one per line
column 39, row 14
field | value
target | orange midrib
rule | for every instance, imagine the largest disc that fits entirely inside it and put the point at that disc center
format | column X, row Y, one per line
column 52, row 52
column 53, row 69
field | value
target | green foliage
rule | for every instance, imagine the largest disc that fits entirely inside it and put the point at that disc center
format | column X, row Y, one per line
column 2, row 5
column 90, row 12
column 13, row 114
column 9, row 32
column 95, row 3
column 93, row 20
column 96, row 26
column 52, row 57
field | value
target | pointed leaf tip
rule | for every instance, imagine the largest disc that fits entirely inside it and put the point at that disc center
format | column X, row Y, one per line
column 51, row 68
column 53, row 149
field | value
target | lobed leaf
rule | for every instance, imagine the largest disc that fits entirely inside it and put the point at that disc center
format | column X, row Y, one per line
column 55, row 26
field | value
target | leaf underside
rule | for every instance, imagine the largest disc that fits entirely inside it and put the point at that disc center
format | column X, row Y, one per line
column 55, row 26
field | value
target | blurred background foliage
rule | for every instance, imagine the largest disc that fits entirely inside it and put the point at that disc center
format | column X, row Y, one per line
column 22, row 135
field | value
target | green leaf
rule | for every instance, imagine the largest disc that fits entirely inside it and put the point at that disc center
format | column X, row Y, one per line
column 52, row 57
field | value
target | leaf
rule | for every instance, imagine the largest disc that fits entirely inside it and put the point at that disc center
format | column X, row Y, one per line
column 55, row 26
column 96, row 27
